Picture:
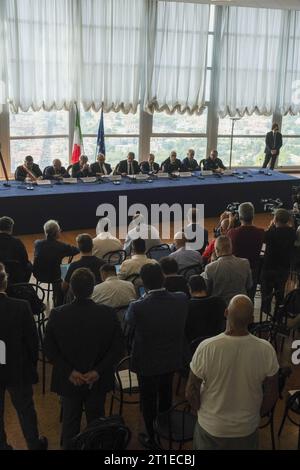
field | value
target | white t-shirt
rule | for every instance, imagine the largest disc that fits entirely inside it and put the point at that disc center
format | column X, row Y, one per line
column 232, row 369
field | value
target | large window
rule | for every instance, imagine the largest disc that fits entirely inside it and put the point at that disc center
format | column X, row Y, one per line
column 44, row 135
column 290, row 152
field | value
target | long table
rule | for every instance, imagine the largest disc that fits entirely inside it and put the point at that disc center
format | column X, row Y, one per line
column 75, row 205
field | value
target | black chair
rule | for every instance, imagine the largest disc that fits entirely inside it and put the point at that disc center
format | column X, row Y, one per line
column 115, row 257
column 103, row 434
column 292, row 406
column 125, row 383
column 191, row 270
column 159, row 251
column 268, row 419
column 176, row 425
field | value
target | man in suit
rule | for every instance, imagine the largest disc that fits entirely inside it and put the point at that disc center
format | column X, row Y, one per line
column 83, row 341
column 56, row 171
column 213, row 163
column 18, row 334
column 81, row 169
column 100, row 168
column 13, row 249
column 189, row 163
column 273, row 146
column 149, row 167
column 29, row 171
column 158, row 321
column 129, row 166
column 172, row 164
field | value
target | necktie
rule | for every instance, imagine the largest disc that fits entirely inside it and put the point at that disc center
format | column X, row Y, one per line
column 130, row 168
column 274, row 139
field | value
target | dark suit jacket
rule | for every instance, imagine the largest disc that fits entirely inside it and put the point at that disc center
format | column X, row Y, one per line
column 82, row 336
column 78, row 173
column 95, row 168
column 212, row 165
column 189, row 165
column 21, row 174
column 205, row 317
column 122, row 167
column 158, row 321
column 273, row 142
column 13, row 249
column 145, row 167
column 48, row 255
column 19, row 333
column 169, row 167
column 49, row 173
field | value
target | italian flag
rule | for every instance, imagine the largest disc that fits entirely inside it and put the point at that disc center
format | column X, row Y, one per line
column 77, row 139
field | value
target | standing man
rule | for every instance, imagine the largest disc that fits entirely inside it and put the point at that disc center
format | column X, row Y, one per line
column 19, row 335
column 273, row 146
column 233, row 382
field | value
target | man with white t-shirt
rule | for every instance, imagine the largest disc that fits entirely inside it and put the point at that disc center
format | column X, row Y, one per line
column 233, row 382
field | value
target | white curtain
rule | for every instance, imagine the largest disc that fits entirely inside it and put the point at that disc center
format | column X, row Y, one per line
column 177, row 52
column 258, row 61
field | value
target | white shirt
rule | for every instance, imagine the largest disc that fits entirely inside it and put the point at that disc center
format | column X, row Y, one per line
column 233, row 369
column 114, row 292
column 134, row 265
column 147, row 232
column 104, row 243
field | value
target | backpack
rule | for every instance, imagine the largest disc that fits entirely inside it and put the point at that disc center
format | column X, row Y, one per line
column 106, row 433
column 26, row 292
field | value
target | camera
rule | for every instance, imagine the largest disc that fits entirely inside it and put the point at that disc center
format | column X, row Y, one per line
column 271, row 205
column 233, row 208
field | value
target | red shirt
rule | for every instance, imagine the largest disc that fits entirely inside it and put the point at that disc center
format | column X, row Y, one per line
column 247, row 241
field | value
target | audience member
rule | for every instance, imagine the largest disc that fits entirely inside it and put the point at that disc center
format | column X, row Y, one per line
column 56, row 171
column 194, row 226
column 133, row 266
column 13, row 249
column 105, row 242
column 29, row 171
column 112, row 291
column 48, row 255
column 206, row 314
column 173, row 282
column 172, row 164
column 83, row 341
column 100, row 168
column 184, row 257
column 150, row 166
column 19, row 335
column 279, row 241
column 209, row 250
column 233, row 382
column 129, row 166
column 228, row 275
column 189, row 163
column 141, row 230
column 158, row 321
column 81, row 169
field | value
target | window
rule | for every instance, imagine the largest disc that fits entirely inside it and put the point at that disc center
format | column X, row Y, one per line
column 44, row 135
column 162, row 147
column 116, row 148
column 248, row 125
column 181, row 124
column 290, row 125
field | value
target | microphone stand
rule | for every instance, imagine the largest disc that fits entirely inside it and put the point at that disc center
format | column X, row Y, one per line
column 6, row 184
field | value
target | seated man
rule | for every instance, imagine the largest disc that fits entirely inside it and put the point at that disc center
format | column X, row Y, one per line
column 81, row 169
column 184, row 257
column 56, row 171
column 105, row 242
column 174, row 282
column 149, row 167
column 87, row 260
column 228, row 275
column 194, row 225
column 141, row 230
column 128, row 167
column 100, row 168
column 29, row 171
column 132, row 266
column 213, row 163
column 172, row 164
column 206, row 314
column 113, row 291
column 189, row 163
column 13, row 249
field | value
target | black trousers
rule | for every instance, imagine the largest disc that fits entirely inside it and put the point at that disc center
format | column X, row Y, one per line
column 273, row 281
column 156, row 396
column 92, row 401
column 269, row 157
column 22, row 399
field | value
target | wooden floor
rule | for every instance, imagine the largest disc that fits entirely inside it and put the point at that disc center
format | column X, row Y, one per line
column 48, row 408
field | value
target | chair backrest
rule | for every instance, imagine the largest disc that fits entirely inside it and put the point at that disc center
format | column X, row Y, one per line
column 283, row 375
column 159, row 251
column 115, row 257
column 34, row 294
column 126, row 379
column 108, row 433
column 178, row 423
column 69, row 169
column 45, row 170
column 191, row 270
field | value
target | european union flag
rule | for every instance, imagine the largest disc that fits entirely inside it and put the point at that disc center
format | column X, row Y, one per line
column 100, row 138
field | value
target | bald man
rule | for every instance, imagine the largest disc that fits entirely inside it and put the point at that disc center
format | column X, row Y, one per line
column 233, row 382
column 228, row 275
column 56, row 171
